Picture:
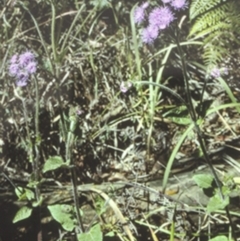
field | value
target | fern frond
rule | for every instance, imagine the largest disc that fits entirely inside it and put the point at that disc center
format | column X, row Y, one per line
column 202, row 6
column 217, row 22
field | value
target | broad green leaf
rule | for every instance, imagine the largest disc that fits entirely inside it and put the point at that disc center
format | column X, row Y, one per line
column 95, row 234
column 219, row 238
column 203, row 180
column 24, row 193
column 22, row 213
column 53, row 163
column 215, row 203
column 62, row 214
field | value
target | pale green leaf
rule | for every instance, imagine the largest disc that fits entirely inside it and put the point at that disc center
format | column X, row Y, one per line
column 53, row 163
column 219, row 238
column 95, row 234
column 22, row 214
column 203, row 180
column 65, row 218
column 216, row 203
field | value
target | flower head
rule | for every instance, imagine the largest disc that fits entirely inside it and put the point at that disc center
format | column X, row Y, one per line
column 22, row 78
column 149, row 34
column 217, row 72
column 13, row 69
column 179, row 4
column 25, row 58
column 14, row 59
column 31, row 68
column 139, row 13
column 125, row 86
column 22, row 66
column 161, row 17
column 21, row 83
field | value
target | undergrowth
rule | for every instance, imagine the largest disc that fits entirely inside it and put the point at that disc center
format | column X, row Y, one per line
column 94, row 95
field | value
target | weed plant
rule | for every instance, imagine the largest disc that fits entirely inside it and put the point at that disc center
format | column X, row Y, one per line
column 85, row 84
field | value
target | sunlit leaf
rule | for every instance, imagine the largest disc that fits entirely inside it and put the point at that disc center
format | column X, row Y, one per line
column 95, row 234
column 62, row 215
column 23, row 213
column 216, row 202
column 203, row 180
column 53, row 163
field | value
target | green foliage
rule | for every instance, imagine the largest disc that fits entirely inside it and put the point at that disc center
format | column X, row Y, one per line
column 23, row 213
column 54, row 163
column 203, row 180
column 95, row 234
column 216, row 202
column 220, row 238
column 100, row 4
column 218, row 23
column 64, row 215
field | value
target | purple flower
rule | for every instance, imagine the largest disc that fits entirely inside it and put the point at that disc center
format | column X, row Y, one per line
column 215, row 72
column 139, row 13
column 31, row 68
column 25, row 58
column 22, row 66
column 125, row 86
column 149, row 34
column 21, row 83
column 161, row 17
column 14, row 59
column 79, row 111
column 13, row 69
column 179, row 4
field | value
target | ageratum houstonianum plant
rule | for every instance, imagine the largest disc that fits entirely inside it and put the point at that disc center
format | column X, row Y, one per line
column 158, row 19
column 22, row 67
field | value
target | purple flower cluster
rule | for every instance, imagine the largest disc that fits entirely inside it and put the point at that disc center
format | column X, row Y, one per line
column 22, row 66
column 217, row 72
column 159, row 18
column 125, row 86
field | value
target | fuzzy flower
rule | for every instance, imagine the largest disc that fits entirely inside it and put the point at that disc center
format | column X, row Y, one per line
column 139, row 13
column 161, row 17
column 149, row 34
column 215, row 72
column 26, row 58
column 22, row 66
column 125, row 86
column 179, row 4
column 13, row 69
column 21, row 83
column 14, row 59
column 31, row 68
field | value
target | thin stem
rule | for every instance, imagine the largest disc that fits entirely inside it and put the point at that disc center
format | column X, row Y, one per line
column 69, row 147
column 37, row 138
column 194, row 117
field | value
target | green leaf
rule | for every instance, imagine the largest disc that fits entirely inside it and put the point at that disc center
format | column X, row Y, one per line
column 100, row 4
column 65, row 218
column 95, row 234
column 24, row 193
column 203, row 180
column 219, row 238
column 22, row 213
column 215, row 203
column 54, row 163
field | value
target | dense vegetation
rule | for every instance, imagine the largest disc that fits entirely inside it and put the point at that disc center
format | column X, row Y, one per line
column 109, row 109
